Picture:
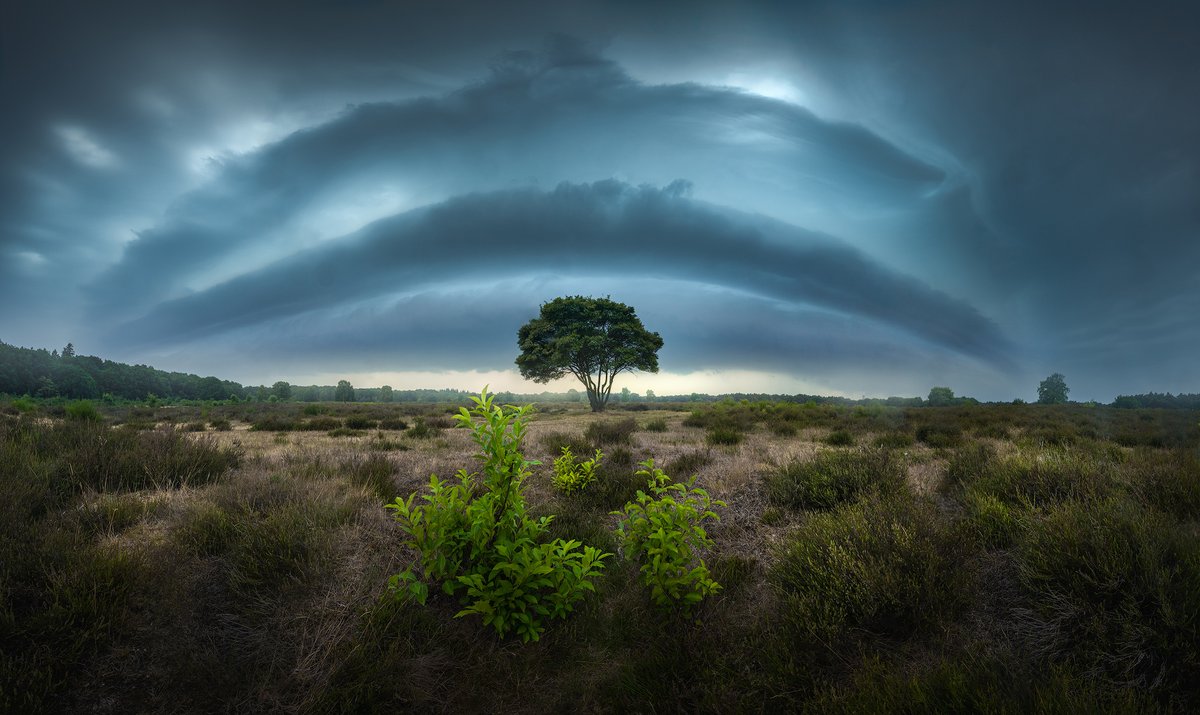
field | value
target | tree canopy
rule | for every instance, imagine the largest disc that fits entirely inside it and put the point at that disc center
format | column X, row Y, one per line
column 594, row 339
column 1053, row 390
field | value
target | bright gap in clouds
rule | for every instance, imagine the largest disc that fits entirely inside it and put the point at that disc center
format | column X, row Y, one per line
column 713, row 382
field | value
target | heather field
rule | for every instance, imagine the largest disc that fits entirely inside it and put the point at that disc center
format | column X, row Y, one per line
column 972, row 558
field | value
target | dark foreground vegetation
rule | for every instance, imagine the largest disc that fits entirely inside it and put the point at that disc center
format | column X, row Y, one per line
column 996, row 558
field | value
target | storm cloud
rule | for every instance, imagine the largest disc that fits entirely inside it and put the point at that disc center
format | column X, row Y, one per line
column 856, row 194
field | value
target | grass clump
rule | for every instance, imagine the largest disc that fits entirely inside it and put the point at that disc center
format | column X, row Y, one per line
column 839, row 438
column 939, row 435
column 360, row 422
column 655, row 425
column 1114, row 589
column 832, row 478
column 1033, row 478
column 894, row 440
column 82, row 410
column 723, row 436
column 393, row 423
column 422, row 429
column 885, row 565
column 320, row 424
column 611, row 432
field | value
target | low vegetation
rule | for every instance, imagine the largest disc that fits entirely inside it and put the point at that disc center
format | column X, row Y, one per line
column 961, row 558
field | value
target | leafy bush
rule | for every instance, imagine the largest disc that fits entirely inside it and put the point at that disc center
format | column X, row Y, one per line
column 664, row 533
column 570, row 476
column 611, row 432
column 839, row 438
column 884, row 564
column 939, row 435
column 832, row 478
column 422, row 429
column 24, row 405
column 82, row 410
column 723, row 436
column 656, row 425
column 1114, row 588
column 360, row 422
column 320, row 424
column 475, row 539
column 271, row 423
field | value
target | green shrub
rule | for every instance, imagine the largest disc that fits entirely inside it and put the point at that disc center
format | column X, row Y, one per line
column 611, row 432
column 195, row 427
column 220, row 425
column 82, row 410
column 315, row 409
column 723, row 436
column 345, row 432
column 24, row 405
column 664, row 533
column 554, row 442
column 894, row 440
column 656, row 425
column 690, row 462
column 361, row 422
column 321, row 424
column 939, row 435
column 1114, row 589
column 885, row 564
column 1167, row 480
column 476, row 540
column 422, row 429
column 1033, row 478
column 393, row 423
column 991, row 520
column 571, row 476
column 839, row 438
column 272, row 423
column 832, row 478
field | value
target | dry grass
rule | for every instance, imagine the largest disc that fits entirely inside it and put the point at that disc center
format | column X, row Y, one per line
column 265, row 589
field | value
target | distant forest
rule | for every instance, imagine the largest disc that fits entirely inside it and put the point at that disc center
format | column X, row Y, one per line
column 49, row 374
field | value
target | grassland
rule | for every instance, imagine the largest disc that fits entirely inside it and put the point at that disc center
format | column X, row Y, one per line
column 234, row 558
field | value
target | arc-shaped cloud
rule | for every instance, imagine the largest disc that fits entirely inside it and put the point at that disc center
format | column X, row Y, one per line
column 603, row 228
column 561, row 116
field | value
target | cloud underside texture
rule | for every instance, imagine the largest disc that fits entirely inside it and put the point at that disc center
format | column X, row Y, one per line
column 275, row 243
column 607, row 233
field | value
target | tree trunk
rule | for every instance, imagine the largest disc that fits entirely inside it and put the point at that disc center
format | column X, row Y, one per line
column 594, row 400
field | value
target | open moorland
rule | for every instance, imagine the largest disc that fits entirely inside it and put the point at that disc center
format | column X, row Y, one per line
column 236, row 558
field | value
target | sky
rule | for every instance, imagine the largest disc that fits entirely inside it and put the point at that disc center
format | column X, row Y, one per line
column 841, row 198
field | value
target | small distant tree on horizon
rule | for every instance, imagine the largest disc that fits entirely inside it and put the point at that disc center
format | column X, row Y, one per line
column 344, row 391
column 385, row 393
column 594, row 339
column 940, row 396
column 1053, row 390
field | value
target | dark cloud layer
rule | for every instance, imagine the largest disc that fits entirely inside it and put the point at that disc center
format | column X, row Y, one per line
column 593, row 230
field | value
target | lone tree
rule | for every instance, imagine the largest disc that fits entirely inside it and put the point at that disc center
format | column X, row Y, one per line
column 1053, row 390
column 940, row 396
column 594, row 339
column 344, row 391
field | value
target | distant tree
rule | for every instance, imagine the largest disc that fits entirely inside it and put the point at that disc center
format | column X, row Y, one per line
column 46, row 388
column 385, row 393
column 649, row 395
column 69, row 351
column 626, row 395
column 344, row 391
column 941, row 396
column 594, row 339
column 1053, row 390
column 261, row 394
column 282, row 390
